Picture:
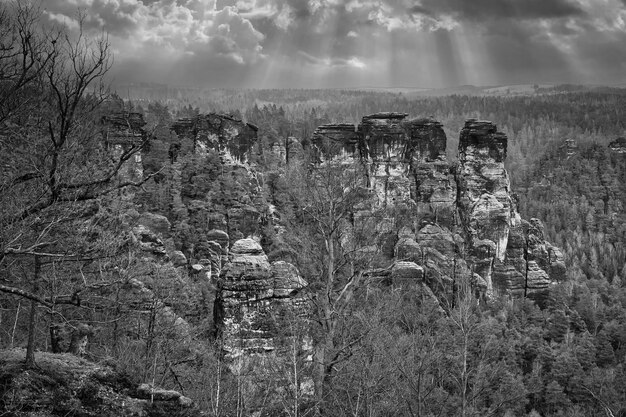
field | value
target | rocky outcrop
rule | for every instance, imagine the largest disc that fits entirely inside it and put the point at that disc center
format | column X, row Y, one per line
column 64, row 384
column 157, row 223
column 123, row 128
column 231, row 137
column 257, row 302
column 122, row 131
column 465, row 225
column 570, row 147
column 336, row 140
column 218, row 187
column 261, row 317
column 618, row 145
column 149, row 241
column 484, row 202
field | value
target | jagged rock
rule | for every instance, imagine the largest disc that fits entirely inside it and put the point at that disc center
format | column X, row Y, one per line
column 287, row 279
column 225, row 134
column 253, row 296
column 469, row 227
column 122, row 131
column 178, row 258
column 403, row 272
column 152, row 393
column 571, row 147
column 220, row 237
column 407, row 249
column 218, row 188
column 618, row 145
column 148, row 241
column 335, row 140
column 537, row 278
column 483, row 183
column 261, row 311
column 156, row 223
column 295, row 151
column 246, row 247
column 64, row 384
column 123, row 128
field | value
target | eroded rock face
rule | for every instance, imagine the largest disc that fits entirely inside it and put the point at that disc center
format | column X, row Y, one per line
column 225, row 134
column 122, row 131
column 465, row 223
column 261, row 317
column 256, row 301
column 618, row 145
column 63, row 384
column 218, row 189
column 485, row 205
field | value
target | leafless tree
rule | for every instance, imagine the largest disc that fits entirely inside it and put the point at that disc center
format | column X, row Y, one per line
column 55, row 166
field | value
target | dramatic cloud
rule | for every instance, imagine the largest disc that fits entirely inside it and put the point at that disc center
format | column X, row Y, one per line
column 335, row 43
column 500, row 9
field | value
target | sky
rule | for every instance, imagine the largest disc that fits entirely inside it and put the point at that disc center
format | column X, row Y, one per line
column 357, row 43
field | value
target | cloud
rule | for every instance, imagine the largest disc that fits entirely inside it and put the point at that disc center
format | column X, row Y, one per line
column 338, row 42
column 329, row 62
column 478, row 10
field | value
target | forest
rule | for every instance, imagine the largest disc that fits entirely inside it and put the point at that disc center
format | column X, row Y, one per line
column 102, row 247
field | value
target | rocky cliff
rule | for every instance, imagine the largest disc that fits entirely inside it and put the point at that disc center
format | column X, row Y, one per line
column 218, row 188
column 464, row 219
column 262, row 313
column 124, row 131
column 618, row 145
column 257, row 301
column 231, row 137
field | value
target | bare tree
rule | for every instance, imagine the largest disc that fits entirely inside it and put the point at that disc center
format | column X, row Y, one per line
column 336, row 239
column 56, row 168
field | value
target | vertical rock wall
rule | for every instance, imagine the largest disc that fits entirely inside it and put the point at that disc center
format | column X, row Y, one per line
column 121, row 131
column 231, row 137
column 484, row 199
column 219, row 190
column 261, row 313
column 465, row 223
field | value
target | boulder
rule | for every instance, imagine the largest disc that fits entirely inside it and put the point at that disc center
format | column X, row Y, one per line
column 148, row 241
column 404, row 272
column 157, row 223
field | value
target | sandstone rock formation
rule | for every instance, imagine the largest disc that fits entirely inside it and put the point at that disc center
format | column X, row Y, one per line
column 464, row 223
column 484, row 201
column 121, row 132
column 257, row 302
column 571, row 147
column 261, row 317
column 218, row 188
column 618, row 145
column 225, row 134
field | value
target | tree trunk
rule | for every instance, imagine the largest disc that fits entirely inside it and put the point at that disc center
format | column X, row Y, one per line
column 30, row 347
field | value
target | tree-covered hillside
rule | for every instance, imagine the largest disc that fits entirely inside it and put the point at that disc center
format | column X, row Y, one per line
column 225, row 261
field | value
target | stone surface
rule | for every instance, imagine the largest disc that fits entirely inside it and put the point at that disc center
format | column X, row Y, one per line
column 178, row 258
column 406, row 272
column 64, row 385
column 255, row 299
column 261, row 313
column 121, row 132
column 467, row 224
column 231, row 137
column 618, row 145
column 157, row 223
column 148, row 241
